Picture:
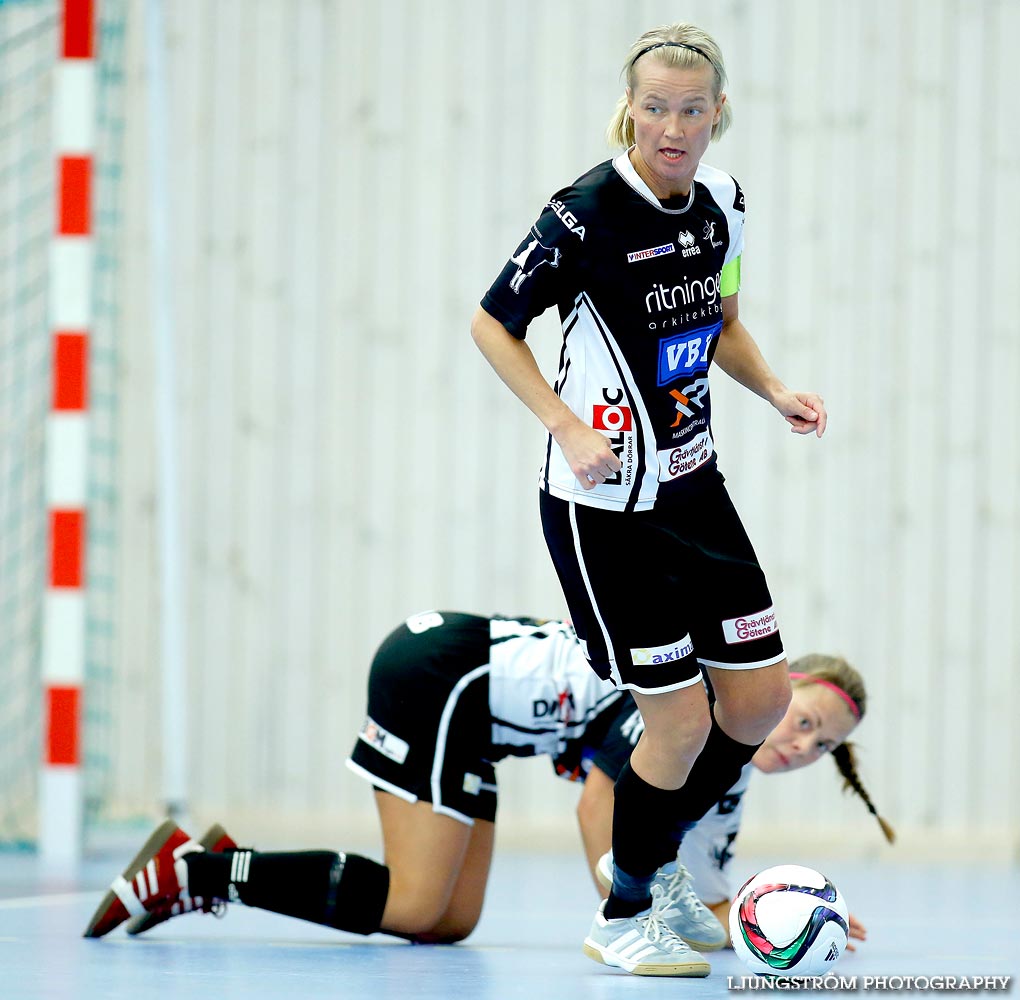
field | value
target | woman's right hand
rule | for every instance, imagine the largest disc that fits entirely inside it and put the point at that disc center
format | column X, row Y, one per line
column 587, row 453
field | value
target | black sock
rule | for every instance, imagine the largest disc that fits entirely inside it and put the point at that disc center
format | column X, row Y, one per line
column 345, row 891
column 642, row 841
column 714, row 773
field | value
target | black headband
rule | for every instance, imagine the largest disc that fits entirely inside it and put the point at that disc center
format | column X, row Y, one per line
column 675, row 45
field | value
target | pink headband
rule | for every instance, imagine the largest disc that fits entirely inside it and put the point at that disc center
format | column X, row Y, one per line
column 794, row 676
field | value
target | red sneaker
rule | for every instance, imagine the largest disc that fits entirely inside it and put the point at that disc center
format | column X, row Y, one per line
column 156, row 881
column 216, row 840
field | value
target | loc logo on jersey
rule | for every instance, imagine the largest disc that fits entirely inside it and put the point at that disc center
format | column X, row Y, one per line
column 611, row 418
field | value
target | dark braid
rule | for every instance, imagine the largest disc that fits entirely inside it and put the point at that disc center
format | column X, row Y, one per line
column 846, row 761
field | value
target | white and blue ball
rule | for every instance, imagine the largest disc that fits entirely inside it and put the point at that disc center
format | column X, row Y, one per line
column 789, row 921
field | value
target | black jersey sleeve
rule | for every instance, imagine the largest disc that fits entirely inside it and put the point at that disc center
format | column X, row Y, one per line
column 537, row 275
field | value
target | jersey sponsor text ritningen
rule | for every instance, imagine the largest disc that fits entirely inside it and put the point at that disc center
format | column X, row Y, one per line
column 664, row 298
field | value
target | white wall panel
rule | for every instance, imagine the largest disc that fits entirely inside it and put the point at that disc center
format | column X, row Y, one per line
column 349, row 177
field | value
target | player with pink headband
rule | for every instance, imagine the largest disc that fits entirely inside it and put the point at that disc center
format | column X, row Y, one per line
column 438, row 825
column 796, row 675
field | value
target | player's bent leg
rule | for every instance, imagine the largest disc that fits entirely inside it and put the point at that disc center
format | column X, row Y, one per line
column 465, row 907
column 643, row 816
column 751, row 703
column 425, row 852
column 341, row 890
column 676, row 726
column 173, row 875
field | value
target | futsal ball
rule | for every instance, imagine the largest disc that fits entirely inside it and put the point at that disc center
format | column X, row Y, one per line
column 789, row 921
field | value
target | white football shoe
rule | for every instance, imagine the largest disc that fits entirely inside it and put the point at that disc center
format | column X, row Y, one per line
column 687, row 916
column 643, row 945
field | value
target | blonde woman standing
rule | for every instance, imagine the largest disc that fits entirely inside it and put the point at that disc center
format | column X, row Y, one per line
column 641, row 257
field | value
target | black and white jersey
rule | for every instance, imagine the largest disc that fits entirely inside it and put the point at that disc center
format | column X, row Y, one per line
column 639, row 290
column 450, row 693
column 544, row 697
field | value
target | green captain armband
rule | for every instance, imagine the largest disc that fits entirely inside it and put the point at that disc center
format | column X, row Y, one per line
column 729, row 278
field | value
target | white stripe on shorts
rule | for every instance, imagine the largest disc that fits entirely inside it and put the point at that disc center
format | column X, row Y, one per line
column 696, row 679
column 441, row 737
column 743, row 666
column 614, row 672
column 386, row 786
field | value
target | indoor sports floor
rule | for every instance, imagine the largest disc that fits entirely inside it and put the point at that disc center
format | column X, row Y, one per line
column 923, row 921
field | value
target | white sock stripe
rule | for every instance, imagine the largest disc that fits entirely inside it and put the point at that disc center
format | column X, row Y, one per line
column 126, row 894
column 150, row 870
column 240, row 865
column 140, row 886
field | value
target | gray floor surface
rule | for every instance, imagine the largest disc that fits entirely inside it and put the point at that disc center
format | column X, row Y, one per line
column 923, row 921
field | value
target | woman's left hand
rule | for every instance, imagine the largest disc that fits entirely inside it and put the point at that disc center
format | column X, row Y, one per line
column 804, row 411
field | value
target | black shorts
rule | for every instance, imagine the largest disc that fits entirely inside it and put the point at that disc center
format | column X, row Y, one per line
column 652, row 594
column 429, row 727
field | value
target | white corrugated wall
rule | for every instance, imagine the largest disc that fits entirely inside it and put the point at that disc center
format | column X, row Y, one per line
column 349, row 176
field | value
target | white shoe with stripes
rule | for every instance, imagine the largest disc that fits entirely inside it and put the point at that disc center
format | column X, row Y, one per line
column 688, row 916
column 644, row 945
column 156, row 882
